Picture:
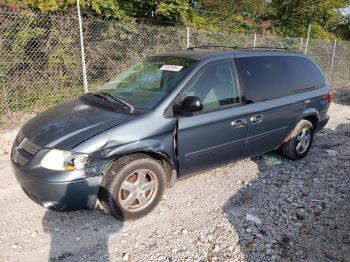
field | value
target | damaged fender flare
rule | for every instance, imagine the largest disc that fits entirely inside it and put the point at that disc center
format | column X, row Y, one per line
column 157, row 149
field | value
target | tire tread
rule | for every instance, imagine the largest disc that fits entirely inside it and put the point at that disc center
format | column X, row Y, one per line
column 288, row 148
column 109, row 178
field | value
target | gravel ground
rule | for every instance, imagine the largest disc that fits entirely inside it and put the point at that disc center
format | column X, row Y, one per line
column 261, row 209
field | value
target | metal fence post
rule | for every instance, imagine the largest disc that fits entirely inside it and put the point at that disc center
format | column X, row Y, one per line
column 188, row 37
column 6, row 103
column 254, row 40
column 332, row 60
column 85, row 84
column 308, row 38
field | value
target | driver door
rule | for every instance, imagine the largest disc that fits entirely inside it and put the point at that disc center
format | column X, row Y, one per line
column 217, row 134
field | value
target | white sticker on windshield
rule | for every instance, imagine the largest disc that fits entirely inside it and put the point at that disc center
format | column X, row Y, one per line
column 174, row 68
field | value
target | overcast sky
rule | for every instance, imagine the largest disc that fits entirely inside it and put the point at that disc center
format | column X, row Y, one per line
column 346, row 10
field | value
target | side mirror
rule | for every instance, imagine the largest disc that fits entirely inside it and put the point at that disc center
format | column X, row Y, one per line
column 189, row 105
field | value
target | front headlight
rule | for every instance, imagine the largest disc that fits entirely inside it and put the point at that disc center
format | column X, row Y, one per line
column 61, row 160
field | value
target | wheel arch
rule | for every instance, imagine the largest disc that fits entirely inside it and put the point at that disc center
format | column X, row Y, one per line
column 154, row 148
column 310, row 114
column 313, row 119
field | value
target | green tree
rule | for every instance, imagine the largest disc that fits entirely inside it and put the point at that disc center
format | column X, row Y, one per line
column 343, row 29
column 238, row 16
column 247, row 8
column 292, row 17
column 282, row 17
column 109, row 8
column 178, row 12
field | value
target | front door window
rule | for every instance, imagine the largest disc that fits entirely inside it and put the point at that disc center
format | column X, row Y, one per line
column 215, row 86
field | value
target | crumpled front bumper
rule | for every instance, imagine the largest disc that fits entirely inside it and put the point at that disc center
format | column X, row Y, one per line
column 55, row 190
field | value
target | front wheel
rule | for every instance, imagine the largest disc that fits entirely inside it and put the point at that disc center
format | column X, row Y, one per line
column 132, row 186
column 300, row 142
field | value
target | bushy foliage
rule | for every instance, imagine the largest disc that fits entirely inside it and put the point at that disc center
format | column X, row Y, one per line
column 179, row 12
column 109, row 8
column 282, row 17
column 292, row 17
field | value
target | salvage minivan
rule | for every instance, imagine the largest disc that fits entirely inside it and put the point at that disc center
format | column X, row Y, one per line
column 165, row 118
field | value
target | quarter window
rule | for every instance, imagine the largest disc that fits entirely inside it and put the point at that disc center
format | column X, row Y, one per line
column 303, row 74
column 215, row 86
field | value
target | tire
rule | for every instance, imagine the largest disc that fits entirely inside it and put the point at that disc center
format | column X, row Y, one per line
column 292, row 149
column 132, row 186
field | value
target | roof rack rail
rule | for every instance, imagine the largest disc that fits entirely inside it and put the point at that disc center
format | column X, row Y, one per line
column 237, row 47
column 211, row 46
column 266, row 48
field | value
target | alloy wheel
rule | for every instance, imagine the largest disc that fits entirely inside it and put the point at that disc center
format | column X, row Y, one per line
column 303, row 140
column 138, row 190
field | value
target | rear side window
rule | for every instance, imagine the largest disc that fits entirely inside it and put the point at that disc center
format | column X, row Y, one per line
column 268, row 77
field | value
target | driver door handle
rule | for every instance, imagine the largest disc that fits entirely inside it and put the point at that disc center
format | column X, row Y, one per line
column 239, row 123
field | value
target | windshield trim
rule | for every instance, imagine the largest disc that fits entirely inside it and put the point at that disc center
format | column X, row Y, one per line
column 117, row 98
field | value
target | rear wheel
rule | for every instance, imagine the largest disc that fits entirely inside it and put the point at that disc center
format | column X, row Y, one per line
column 132, row 186
column 301, row 140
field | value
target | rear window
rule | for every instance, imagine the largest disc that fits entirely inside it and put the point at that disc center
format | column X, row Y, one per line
column 268, row 77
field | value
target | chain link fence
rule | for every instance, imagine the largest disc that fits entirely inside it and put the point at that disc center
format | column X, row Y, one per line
column 110, row 47
column 341, row 65
column 40, row 59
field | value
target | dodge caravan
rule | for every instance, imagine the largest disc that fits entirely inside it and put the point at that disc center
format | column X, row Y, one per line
column 167, row 117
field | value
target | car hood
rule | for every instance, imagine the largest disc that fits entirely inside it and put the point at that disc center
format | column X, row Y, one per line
column 68, row 124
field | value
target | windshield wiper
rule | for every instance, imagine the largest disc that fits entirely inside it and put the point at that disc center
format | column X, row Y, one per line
column 116, row 98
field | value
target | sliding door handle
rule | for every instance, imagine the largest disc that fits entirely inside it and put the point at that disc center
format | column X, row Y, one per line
column 257, row 119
